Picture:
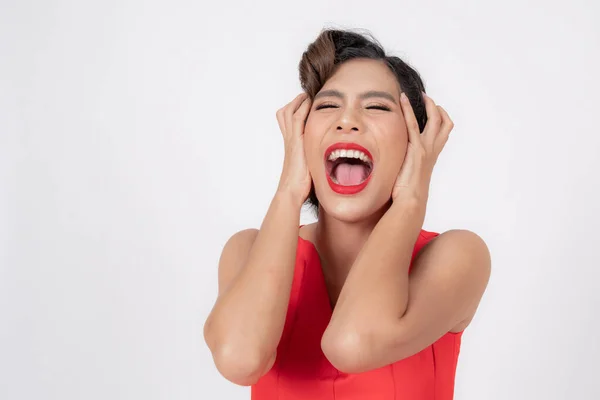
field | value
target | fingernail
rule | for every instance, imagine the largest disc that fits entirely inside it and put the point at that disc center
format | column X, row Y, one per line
column 403, row 97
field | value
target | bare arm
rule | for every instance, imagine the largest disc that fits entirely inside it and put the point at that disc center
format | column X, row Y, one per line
column 383, row 315
column 255, row 277
column 256, row 268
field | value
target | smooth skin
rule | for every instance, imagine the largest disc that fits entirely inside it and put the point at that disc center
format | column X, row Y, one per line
column 381, row 313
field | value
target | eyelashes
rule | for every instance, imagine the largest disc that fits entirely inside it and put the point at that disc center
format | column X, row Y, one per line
column 372, row 107
column 382, row 108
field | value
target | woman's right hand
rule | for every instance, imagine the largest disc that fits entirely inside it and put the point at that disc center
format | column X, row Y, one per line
column 295, row 177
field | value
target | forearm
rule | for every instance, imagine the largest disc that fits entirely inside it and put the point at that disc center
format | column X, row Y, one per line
column 247, row 320
column 376, row 289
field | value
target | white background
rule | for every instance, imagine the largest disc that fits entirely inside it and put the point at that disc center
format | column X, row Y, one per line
column 137, row 136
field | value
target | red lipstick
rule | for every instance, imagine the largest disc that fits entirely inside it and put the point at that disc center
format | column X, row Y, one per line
column 347, row 189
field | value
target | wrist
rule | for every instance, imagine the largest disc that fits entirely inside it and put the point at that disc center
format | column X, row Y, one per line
column 289, row 196
column 409, row 206
column 410, row 203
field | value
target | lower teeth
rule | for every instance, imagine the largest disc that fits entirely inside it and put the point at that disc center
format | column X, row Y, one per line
column 337, row 183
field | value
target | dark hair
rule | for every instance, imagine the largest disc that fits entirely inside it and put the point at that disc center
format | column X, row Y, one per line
column 332, row 48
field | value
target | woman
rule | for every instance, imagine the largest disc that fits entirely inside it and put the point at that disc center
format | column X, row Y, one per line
column 362, row 304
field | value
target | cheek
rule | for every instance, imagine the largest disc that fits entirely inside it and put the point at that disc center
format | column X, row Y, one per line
column 309, row 128
column 394, row 138
column 393, row 144
column 312, row 139
column 398, row 128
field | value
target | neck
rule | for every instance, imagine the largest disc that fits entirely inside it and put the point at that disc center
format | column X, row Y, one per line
column 339, row 242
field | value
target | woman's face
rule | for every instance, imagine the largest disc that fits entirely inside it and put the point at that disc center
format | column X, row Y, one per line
column 358, row 113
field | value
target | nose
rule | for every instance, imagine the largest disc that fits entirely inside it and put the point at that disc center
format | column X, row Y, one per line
column 348, row 123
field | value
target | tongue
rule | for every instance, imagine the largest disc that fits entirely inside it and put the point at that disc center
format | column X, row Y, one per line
column 348, row 174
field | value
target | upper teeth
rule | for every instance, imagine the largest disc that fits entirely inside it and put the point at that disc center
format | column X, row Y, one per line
column 349, row 154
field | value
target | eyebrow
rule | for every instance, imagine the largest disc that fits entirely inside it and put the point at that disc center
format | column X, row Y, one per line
column 365, row 95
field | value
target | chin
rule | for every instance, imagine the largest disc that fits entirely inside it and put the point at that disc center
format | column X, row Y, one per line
column 350, row 208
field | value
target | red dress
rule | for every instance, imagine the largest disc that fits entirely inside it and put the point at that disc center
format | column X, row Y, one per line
column 302, row 372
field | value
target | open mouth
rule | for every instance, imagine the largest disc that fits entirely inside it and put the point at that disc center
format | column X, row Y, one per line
column 348, row 165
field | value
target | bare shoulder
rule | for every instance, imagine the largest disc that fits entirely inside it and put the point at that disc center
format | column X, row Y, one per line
column 460, row 258
column 234, row 256
column 465, row 251
column 240, row 241
column 460, row 243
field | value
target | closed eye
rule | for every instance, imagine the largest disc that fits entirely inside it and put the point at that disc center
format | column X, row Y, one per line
column 326, row 105
column 377, row 107
column 382, row 108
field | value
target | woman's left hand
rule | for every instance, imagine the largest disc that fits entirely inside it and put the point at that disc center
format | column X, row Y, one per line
column 423, row 150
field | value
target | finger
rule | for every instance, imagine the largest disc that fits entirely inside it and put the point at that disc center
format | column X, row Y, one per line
column 281, row 121
column 299, row 118
column 411, row 121
column 290, row 109
column 434, row 119
column 281, row 115
column 445, row 128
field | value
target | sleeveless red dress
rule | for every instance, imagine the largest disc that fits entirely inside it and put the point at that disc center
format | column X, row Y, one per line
column 302, row 372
